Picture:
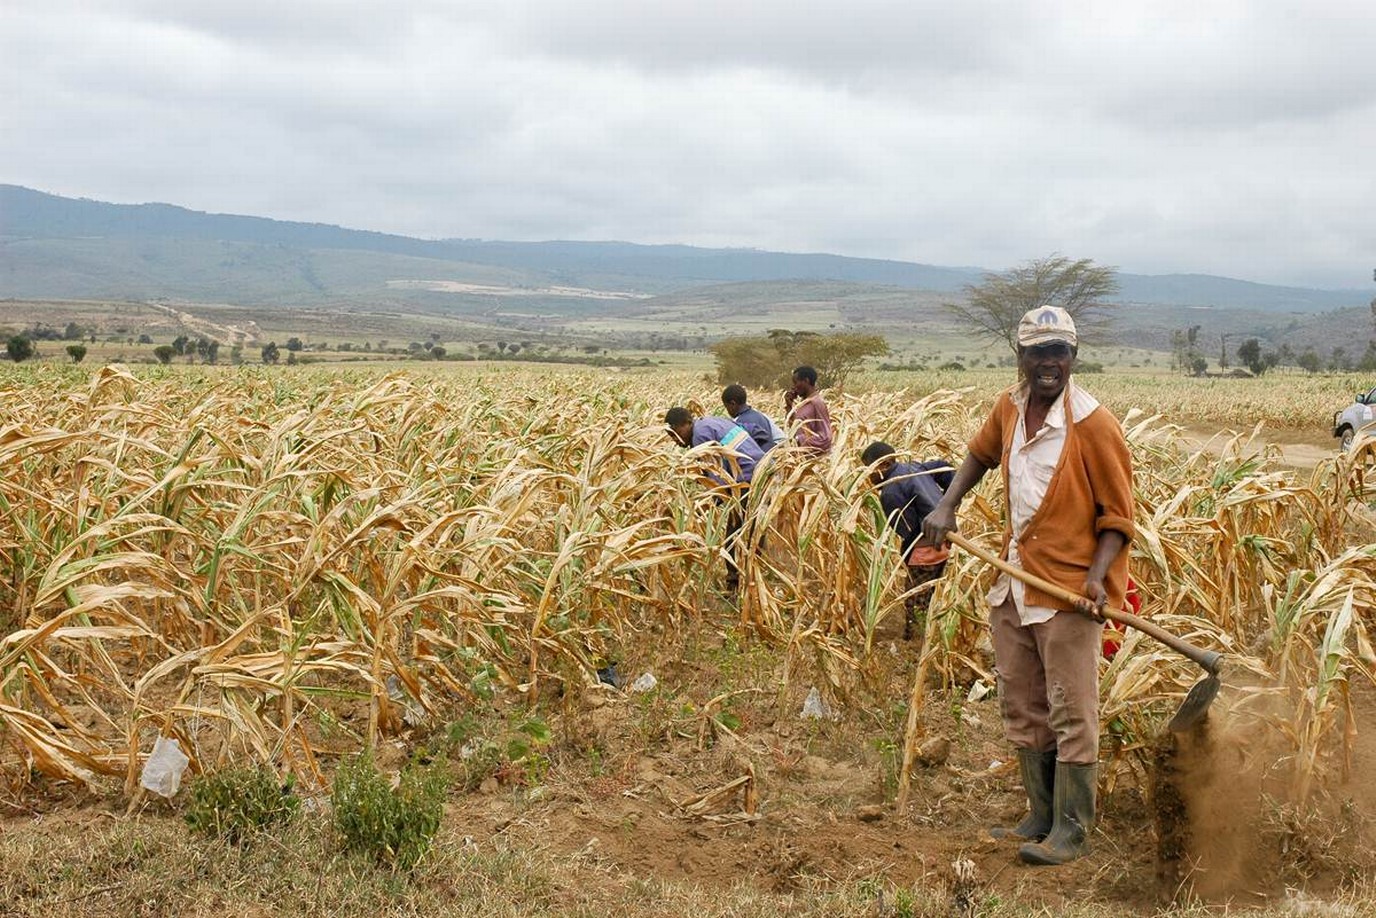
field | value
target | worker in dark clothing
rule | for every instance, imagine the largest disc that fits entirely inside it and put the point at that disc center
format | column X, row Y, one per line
column 908, row 491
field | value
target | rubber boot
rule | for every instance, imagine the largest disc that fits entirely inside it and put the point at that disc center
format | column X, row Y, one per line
column 1038, row 779
column 1073, row 804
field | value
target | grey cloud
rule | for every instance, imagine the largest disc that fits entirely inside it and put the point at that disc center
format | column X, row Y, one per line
column 816, row 40
column 1163, row 64
column 986, row 134
column 356, row 27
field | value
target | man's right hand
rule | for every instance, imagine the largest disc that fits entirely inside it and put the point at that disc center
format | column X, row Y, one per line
column 789, row 397
column 936, row 524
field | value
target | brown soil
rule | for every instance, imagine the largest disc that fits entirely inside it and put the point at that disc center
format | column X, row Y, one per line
column 822, row 814
column 645, row 786
column 825, row 811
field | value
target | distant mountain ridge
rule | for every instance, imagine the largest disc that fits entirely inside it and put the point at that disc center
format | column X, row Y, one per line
column 67, row 247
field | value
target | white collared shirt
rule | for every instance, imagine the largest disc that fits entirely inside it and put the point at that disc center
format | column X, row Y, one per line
column 1031, row 466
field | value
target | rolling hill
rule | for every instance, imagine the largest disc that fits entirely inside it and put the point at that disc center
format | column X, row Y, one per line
column 56, row 247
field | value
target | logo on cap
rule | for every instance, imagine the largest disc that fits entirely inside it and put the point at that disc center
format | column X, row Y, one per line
column 1046, row 323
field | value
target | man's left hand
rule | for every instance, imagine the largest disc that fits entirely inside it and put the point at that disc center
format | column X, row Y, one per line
column 1093, row 598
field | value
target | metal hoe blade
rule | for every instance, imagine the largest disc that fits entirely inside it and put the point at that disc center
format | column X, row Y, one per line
column 1195, row 707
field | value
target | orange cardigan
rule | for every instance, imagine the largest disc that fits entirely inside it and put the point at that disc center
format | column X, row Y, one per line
column 1090, row 491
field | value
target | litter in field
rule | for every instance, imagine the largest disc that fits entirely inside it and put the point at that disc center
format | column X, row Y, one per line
column 162, row 773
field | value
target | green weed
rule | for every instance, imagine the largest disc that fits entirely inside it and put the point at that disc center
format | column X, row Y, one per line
column 395, row 826
column 235, row 803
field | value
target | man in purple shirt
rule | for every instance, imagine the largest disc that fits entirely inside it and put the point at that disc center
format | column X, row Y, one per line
column 810, row 414
column 739, row 466
column 745, row 452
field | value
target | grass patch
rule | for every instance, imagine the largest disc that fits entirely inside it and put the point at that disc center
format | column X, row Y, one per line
column 152, row 867
column 235, row 803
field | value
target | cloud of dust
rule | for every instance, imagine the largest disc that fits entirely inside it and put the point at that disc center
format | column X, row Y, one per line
column 1225, row 776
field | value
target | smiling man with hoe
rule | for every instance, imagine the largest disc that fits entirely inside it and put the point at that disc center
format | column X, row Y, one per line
column 1067, row 476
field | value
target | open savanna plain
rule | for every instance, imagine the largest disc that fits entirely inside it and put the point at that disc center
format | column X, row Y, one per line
column 286, row 567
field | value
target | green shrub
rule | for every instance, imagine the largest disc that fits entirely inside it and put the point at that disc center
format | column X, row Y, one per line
column 768, row 360
column 395, row 826
column 235, row 803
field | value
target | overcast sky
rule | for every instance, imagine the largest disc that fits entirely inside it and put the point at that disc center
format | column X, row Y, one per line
column 1234, row 138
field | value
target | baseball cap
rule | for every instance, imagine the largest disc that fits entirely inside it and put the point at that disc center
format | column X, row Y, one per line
column 1046, row 325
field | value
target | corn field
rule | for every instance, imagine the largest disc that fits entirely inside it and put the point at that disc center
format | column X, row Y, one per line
column 1284, row 401
column 286, row 566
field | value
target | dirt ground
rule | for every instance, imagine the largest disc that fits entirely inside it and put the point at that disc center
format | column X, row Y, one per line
column 815, row 800
column 653, row 787
column 825, row 812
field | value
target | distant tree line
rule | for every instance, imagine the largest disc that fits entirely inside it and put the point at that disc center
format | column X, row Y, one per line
column 1187, row 356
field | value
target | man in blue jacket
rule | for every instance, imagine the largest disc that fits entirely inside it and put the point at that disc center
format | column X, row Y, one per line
column 760, row 426
column 908, row 491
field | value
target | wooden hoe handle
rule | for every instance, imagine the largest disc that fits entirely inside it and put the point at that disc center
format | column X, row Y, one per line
column 1206, row 658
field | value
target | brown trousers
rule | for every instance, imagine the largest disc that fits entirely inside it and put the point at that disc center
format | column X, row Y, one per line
column 1049, row 682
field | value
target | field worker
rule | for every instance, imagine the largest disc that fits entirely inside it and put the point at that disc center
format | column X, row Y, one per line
column 1067, row 477
column 760, row 426
column 908, row 491
column 810, row 412
column 738, row 468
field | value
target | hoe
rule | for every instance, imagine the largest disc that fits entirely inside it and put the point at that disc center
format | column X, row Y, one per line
column 1196, row 705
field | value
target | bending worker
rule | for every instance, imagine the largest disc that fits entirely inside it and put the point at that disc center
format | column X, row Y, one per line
column 908, row 491
column 1067, row 476
column 732, row 478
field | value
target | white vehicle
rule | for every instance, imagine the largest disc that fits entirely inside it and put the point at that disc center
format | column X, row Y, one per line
column 1357, row 418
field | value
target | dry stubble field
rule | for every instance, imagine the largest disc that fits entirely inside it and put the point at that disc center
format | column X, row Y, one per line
column 288, row 566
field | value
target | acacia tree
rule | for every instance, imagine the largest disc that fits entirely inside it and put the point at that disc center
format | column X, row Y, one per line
column 994, row 306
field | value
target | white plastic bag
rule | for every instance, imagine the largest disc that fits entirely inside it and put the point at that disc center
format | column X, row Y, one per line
column 162, row 773
column 644, row 683
column 814, row 708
